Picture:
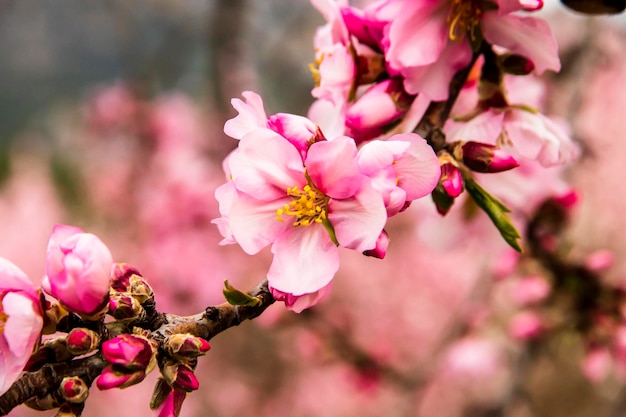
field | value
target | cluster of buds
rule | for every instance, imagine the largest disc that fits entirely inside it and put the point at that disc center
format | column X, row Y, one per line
column 130, row 294
column 177, row 372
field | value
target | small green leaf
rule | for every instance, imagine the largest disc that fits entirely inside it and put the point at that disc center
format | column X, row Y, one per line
column 239, row 298
column 496, row 212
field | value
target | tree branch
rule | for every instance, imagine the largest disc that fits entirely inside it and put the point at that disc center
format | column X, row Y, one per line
column 206, row 325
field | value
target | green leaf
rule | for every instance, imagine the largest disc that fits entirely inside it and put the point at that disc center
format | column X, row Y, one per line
column 496, row 212
column 239, row 298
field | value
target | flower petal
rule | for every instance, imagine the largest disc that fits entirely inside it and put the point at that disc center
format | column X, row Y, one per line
column 265, row 165
column 251, row 115
column 23, row 325
column 305, row 260
column 332, row 165
column 358, row 221
column 528, row 36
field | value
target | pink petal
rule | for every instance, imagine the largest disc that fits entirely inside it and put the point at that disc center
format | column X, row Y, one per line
column 253, row 222
column 528, row 36
column 332, row 166
column 378, row 154
column 417, row 170
column 13, row 278
column 417, row 36
column 23, row 325
column 266, row 165
column 484, row 128
column 433, row 80
column 305, row 260
column 251, row 116
column 358, row 221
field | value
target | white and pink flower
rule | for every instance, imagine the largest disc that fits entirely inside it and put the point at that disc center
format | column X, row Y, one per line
column 20, row 322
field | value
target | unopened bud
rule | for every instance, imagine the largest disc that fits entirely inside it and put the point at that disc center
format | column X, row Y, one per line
column 516, row 64
column 124, row 306
column 377, row 109
column 180, row 376
column 482, row 157
column 110, row 378
column 451, row 180
column 73, row 389
column 161, row 391
column 121, row 273
column 186, row 346
column 140, row 289
column 172, row 404
column 381, row 246
column 129, row 351
column 80, row 341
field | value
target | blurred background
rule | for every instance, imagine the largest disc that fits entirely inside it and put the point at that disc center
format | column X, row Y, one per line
column 111, row 120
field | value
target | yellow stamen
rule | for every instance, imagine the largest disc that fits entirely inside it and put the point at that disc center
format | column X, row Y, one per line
column 3, row 316
column 309, row 206
column 463, row 18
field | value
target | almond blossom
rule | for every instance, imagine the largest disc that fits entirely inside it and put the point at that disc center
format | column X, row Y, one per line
column 304, row 195
column 20, row 322
column 428, row 41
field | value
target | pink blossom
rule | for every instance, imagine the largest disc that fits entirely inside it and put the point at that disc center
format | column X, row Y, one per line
column 78, row 268
column 597, row 364
column 20, row 322
column 526, row 325
column 531, row 289
column 403, row 168
column 304, row 208
column 428, row 41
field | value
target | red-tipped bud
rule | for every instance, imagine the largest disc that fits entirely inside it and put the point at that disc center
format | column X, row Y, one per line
column 186, row 346
column 123, row 306
column 129, row 351
column 381, row 246
column 451, row 179
column 172, row 404
column 110, row 378
column 80, row 341
column 74, row 390
column 179, row 376
column 121, row 273
column 482, row 157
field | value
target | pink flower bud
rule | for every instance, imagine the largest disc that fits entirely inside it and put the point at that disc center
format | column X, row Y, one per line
column 526, row 325
column 381, row 105
column 21, row 321
column 530, row 290
column 600, row 260
column 185, row 379
column 172, row 404
column 451, row 179
column 80, row 341
column 482, row 157
column 74, row 390
column 298, row 303
column 381, row 246
column 110, row 378
column 186, row 346
column 130, row 351
column 298, row 130
column 78, row 267
column 120, row 276
column 597, row 364
column 122, row 306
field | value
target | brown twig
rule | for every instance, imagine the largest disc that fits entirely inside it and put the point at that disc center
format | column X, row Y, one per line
column 207, row 324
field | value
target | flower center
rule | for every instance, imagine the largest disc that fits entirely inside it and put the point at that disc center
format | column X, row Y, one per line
column 309, row 206
column 464, row 18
